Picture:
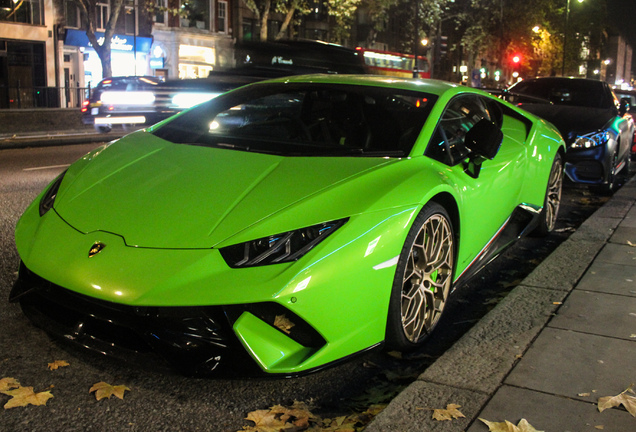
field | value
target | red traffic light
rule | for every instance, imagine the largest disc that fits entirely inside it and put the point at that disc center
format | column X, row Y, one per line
column 516, row 58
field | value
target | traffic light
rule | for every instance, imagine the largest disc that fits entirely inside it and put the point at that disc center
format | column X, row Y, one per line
column 516, row 59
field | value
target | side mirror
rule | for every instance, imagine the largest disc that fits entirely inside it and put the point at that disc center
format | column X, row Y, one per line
column 484, row 141
column 624, row 107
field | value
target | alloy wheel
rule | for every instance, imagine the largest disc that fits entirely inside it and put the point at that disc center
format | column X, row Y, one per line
column 427, row 277
column 553, row 198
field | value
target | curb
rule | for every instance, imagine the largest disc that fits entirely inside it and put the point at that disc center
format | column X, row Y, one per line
column 472, row 370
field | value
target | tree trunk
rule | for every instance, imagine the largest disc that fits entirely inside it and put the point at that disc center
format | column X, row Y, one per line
column 288, row 18
column 264, row 18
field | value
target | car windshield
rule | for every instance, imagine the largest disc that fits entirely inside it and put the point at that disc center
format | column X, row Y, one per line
column 584, row 93
column 306, row 120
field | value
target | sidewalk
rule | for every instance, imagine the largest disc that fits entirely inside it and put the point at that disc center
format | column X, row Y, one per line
column 562, row 339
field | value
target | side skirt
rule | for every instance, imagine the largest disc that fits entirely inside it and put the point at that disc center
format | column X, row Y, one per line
column 521, row 222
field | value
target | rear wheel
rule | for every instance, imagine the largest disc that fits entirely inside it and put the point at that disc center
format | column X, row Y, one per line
column 423, row 279
column 552, row 201
column 103, row 128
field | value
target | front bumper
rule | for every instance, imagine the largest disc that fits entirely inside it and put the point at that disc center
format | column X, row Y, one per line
column 105, row 117
column 588, row 166
column 338, row 307
column 197, row 340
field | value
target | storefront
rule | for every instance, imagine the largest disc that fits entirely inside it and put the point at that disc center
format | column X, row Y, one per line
column 129, row 55
column 179, row 53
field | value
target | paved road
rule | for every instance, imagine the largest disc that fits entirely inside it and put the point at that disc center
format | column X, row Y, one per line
column 168, row 402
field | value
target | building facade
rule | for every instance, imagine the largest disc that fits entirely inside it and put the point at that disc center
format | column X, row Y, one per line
column 27, row 53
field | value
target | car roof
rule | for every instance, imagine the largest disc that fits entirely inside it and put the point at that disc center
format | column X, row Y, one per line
column 432, row 86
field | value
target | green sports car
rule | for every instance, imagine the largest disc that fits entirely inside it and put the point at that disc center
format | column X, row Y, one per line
column 286, row 225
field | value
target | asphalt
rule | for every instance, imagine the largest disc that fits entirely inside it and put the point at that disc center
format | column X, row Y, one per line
column 561, row 340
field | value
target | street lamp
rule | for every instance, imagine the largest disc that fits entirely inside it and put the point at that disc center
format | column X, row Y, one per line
column 565, row 34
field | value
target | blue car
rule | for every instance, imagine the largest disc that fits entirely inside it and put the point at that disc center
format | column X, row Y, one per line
column 598, row 129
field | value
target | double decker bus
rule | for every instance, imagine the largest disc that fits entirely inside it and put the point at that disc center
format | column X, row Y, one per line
column 395, row 64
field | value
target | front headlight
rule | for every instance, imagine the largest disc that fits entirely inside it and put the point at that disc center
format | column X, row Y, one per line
column 47, row 201
column 590, row 140
column 279, row 248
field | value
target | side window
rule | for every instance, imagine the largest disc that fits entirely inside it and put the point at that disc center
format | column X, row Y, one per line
column 461, row 114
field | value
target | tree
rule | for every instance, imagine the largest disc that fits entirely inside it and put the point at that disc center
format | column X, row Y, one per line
column 263, row 8
column 88, row 9
column 343, row 14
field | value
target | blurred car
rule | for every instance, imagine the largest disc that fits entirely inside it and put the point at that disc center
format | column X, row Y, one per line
column 253, row 61
column 127, row 95
column 629, row 96
column 287, row 225
column 597, row 128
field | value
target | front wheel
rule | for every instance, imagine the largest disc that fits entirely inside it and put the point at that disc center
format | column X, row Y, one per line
column 423, row 279
column 552, row 201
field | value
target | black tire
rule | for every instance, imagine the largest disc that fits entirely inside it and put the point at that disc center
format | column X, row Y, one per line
column 552, row 200
column 423, row 279
column 612, row 180
column 103, row 128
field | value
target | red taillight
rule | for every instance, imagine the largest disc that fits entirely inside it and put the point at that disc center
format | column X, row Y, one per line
column 85, row 106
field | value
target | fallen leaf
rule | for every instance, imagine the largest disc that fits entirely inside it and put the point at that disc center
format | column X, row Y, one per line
column 506, row 426
column 283, row 323
column 58, row 364
column 584, row 394
column 631, row 244
column 8, row 384
column 23, row 396
column 104, row 390
column 599, row 427
column 629, row 402
column 451, row 412
column 395, row 354
column 298, row 417
column 264, row 421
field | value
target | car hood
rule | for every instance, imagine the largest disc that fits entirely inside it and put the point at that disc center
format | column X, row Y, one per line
column 162, row 195
column 572, row 120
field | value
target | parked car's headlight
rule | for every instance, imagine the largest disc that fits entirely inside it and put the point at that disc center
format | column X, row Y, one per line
column 46, row 203
column 279, row 248
column 591, row 140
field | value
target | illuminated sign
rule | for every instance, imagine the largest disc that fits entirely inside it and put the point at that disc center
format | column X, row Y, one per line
column 117, row 42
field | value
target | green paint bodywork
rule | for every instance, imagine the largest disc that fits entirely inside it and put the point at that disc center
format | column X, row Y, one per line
column 164, row 209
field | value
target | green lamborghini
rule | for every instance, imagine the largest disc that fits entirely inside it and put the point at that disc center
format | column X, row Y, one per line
column 286, row 225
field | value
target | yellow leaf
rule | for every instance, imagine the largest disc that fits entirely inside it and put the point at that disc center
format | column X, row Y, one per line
column 451, row 412
column 23, row 396
column 506, row 426
column 58, row 364
column 283, row 323
column 103, row 390
column 8, row 384
column 629, row 402
column 264, row 421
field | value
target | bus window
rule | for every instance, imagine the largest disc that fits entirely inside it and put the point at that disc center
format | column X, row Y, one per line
column 395, row 64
